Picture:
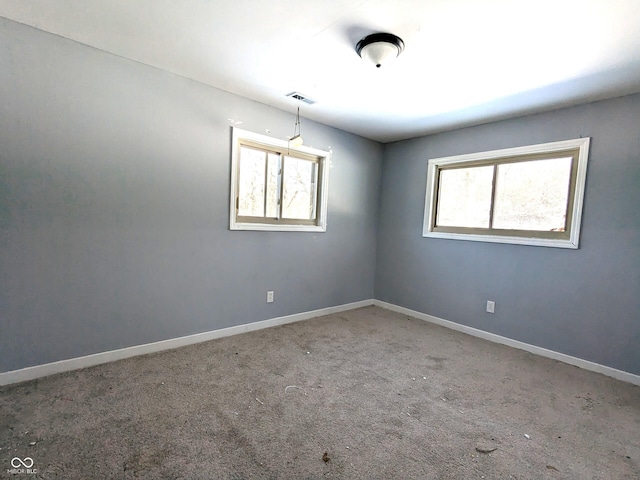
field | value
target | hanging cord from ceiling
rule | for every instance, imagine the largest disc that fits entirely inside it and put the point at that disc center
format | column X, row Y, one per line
column 296, row 140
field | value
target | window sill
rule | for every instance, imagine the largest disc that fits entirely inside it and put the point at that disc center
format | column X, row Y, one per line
column 536, row 242
column 263, row 227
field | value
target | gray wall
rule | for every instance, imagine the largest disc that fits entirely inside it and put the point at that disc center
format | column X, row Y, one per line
column 114, row 185
column 584, row 302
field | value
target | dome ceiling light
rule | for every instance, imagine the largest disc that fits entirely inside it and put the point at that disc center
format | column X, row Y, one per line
column 380, row 48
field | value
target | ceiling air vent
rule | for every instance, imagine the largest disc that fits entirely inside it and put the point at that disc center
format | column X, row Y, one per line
column 301, row 97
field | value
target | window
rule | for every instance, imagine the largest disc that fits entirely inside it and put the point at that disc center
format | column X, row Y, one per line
column 274, row 187
column 527, row 195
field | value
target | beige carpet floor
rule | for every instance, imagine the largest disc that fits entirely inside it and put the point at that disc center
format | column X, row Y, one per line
column 364, row 394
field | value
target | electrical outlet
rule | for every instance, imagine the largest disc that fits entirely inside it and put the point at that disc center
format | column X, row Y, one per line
column 491, row 306
column 270, row 296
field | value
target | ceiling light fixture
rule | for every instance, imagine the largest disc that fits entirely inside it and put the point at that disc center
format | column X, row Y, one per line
column 380, row 48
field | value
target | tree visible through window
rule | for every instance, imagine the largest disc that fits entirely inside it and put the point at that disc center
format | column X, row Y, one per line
column 260, row 176
column 531, row 195
column 276, row 187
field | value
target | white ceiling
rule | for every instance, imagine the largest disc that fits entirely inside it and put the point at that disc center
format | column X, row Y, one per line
column 465, row 61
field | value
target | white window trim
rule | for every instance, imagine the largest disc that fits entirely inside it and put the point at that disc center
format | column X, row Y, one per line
column 323, row 193
column 572, row 242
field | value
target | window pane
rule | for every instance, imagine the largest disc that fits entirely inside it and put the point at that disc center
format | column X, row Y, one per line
column 464, row 197
column 532, row 195
column 251, row 182
column 299, row 181
column 273, row 167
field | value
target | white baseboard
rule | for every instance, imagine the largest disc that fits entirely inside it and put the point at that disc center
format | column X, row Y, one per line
column 39, row 371
column 543, row 352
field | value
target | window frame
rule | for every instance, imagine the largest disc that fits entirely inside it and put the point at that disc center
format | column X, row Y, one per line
column 249, row 139
column 578, row 149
